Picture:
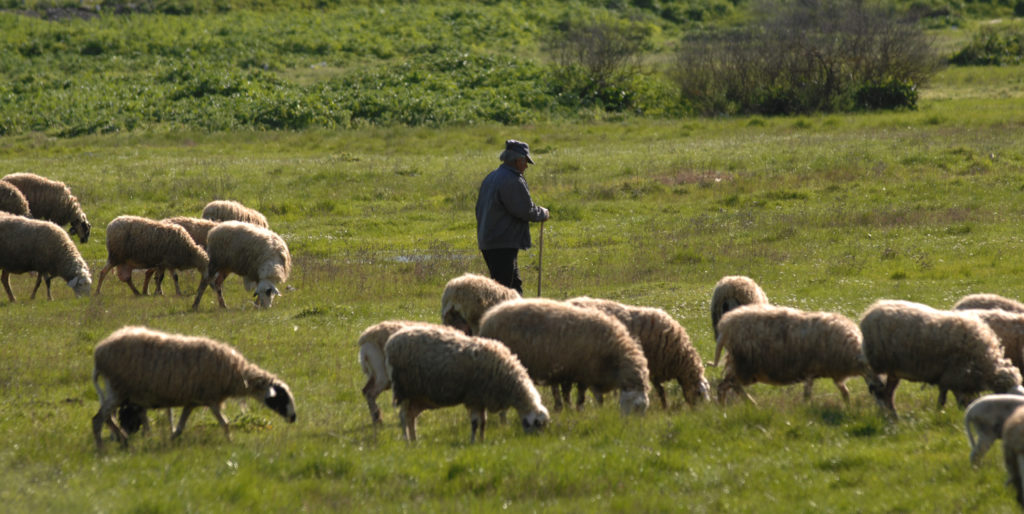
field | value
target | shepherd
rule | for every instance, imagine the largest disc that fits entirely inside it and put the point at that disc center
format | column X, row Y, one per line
column 504, row 210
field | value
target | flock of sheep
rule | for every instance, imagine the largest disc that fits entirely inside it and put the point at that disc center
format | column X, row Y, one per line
column 492, row 347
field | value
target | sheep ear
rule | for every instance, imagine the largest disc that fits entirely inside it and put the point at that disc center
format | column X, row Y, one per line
column 271, row 392
column 73, row 283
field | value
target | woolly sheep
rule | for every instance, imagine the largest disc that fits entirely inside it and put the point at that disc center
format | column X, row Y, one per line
column 230, row 210
column 371, row 359
column 955, row 350
column 152, row 369
column 467, row 297
column 560, row 343
column 665, row 343
column 987, row 415
column 41, row 246
column 12, row 201
column 988, row 301
column 52, row 200
column 782, row 345
column 140, row 243
column 256, row 254
column 1009, row 327
column 197, row 229
column 730, row 292
column 438, row 366
column 1013, row 452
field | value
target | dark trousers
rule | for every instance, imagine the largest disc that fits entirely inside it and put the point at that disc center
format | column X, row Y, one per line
column 504, row 267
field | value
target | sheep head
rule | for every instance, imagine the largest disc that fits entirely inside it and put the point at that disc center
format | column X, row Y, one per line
column 265, row 293
column 633, row 401
column 535, row 419
column 279, row 399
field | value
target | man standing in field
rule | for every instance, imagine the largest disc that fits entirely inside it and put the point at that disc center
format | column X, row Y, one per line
column 504, row 211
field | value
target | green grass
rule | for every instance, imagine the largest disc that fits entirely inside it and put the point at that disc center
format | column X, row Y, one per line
column 825, row 212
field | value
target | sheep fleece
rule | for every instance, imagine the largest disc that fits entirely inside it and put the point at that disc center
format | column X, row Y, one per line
column 36, row 245
column 469, row 296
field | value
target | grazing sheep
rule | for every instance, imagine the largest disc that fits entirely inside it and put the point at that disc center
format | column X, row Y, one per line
column 41, row 246
column 197, row 228
column 781, row 345
column 467, row 297
column 987, row 415
column 230, row 210
column 1009, row 327
column 730, row 292
column 148, row 369
column 954, row 350
column 561, row 343
column 51, row 200
column 12, row 201
column 988, row 301
column 1013, row 452
column 256, row 254
column 665, row 343
column 371, row 359
column 141, row 243
column 437, row 366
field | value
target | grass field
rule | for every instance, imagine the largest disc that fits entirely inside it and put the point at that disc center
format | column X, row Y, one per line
column 825, row 212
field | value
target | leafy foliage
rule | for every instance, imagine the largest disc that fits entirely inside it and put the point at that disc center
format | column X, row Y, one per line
column 993, row 46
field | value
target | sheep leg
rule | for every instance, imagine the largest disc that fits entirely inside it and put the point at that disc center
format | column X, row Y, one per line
column 5, row 278
column 174, row 277
column 215, row 409
column 661, row 394
column 39, row 282
column 841, row 384
column 985, row 440
column 942, row 397
column 407, row 413
column 185, row 411
column 145, row 281
column 103, row 274
column 203, row 282
column 370, row 393
column 477, row 421
column 581, row 396
column 890, row 390
column 808, row 387
column 218, row 286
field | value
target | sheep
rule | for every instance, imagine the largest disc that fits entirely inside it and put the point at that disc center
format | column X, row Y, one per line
column 438, row 366
column 1013, row 452
column 40, row 246
column 987, row 415
column 955, row 350
column 782, row 345
column 560, row 343
column 258, row 255
column 730, row 292
column 988, row 301
column 52, row 200
column 230, row 210
column 141, row 243
column 12, row 201
column 1009, row 327
column 197, row 228
column 371, row 359
column 665, row 343
column 467, row 297
column 150, row 369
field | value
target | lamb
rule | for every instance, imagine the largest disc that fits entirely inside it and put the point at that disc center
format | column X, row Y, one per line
column 561, row 343
column 198, row 229
column 987, row 415
column 988, row 301
column 40, row 246
column 467, row 297
column 955, row 350
column 438, row 366
column 150, row 369
column 371, row 359
column 230, row 210
column 51, row 200
column 1013, row 452
column 12, row 201
column 782, row 345
column 730, row 292
column 140, row 243
column 258, row 255
column 666, row 345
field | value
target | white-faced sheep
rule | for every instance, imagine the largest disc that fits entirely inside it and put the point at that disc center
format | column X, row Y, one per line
column 51, row 200
column 12, row 201
column 140, row 243
column 150, row 369
column 1013, row 452
column 782, row 345
column 954, row 350
column 230, row 210
column 467, row 297
column 197, row 228
column 432, row 367
column 371, row 359
column 666, row 345
column 986, row 415
column 988, row 301
column 560, row 343
column 41, row 246
column 730, row 292
column 256, row 254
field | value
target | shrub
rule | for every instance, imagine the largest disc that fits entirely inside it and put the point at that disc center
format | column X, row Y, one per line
column 991, row 45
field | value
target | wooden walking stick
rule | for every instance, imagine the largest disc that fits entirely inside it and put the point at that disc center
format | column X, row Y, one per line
column 540, row 256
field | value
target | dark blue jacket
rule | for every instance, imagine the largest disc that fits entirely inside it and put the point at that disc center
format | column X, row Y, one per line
column 504, row 210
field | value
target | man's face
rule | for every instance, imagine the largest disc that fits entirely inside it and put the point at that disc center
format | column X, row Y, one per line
column 520, row 164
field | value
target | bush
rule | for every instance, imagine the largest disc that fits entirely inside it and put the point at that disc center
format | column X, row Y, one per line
column 889, row 94
column 992, row 46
